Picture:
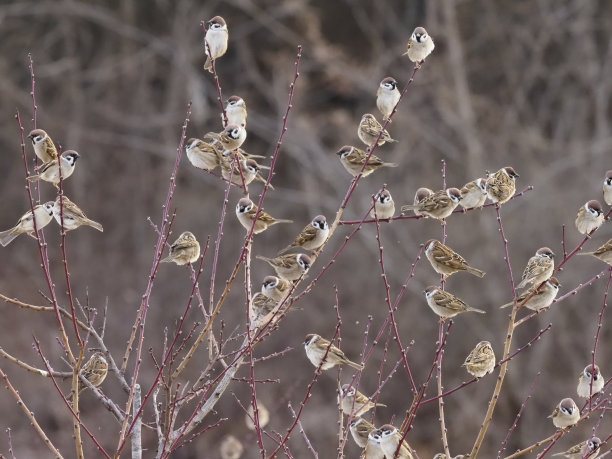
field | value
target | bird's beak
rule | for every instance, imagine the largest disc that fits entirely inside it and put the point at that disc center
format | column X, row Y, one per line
column 30, row 136
column 339, row 152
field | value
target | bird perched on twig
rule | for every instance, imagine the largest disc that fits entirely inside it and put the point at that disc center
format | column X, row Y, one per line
column 236, row 111
column 589, row 373
column 384, row 207
column 43, row 214
column 446, row 304
column 389, row 441
column 94, row 371
column 501, row 186
column 72, row 215
column 420, row 45
column 201, row 154
column 419, row 196
column 249, row 171
column 540, row 299
column 50, row 172
column 539, row 268
column 369, row 130
column 589, row 217
column 474, row 194
column 373, row 449
column 565, row 414
column 275, row 287
column 603, row 253
column 291, row 266
column 311, row 237
column 44, row 147
column 387, row 97
column 353, row 159
column 438, row 205
column 446, row 261
column 231, row 138
column 186, row 249
column 246, row 211
column 216, row 38
column 582, row 449
column 481, row 360
column 353, row 401
column 360, row 429
column 317, row 348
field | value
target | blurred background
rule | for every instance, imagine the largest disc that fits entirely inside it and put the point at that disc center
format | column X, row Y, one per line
column 525, row 84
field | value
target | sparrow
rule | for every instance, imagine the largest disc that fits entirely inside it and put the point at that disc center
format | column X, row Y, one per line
column 186, row 249
column 446, row 304
column 231, row 138
column 250, row 171
column 438, row 205
column 385, row 207
column 446, row 261
column 44, row 215
column 501, row 185
column 419, row 196
column 541, row 299
column 202, row 155
column 316, row 348
column 236, row 111
column 353, row 401
column 387, row 96
column 311, row 237
column 589, row 217
column 582, row 449
column 584, row 381
column 216, row 37
column 389, row 441
column 373, row 449
column 289, row 267
column 604, row 253
column 565, row 414
column 231, row 448
column 261, row 306
column 360, row 429
column 607, row 188
column 262, row 414
column 481, row 360
column 246, row 210
column 44, row 147
column 369, row 130
column 50, row 172
column 94, row 370
column 419, row 46
column 539, row 268
column 474, row 194
column 275, row 288
column 71, row 214
column 353, row 159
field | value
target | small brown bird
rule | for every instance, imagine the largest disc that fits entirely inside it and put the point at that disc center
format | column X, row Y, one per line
column 369, row 130
column 44, row 147
column 384, row 206
column 420, row 45
column 316, row 348
column 94, row 371
column 360, row 429
column 289, row 267
column 501, row 186
column 261, row 306
column 246, row 210
column 263, row 416
column 389, row 441
column 419, row 196
column 353, row 159
column 387, row 97
column 584, row 381
column 481, row 360
column 231, row 448
column 589, row 217
column 582, row 449
column 565, row 414
column 446, row 261
column 439, row 205
column 539, row 268
column 50, row 172
column 216, row 37
column 186, row 249
column 236, row 111
column 353, row 401
column 311, row 237
column 275, row 287
column 474, row 194
column 73, row 216
column 604, row 253
column 202, row 155
column 541, row 299
column 446, row 304
column 44, row 215
column 607, row 188
column 231, row 138
column 373, row 449
column 249, row 168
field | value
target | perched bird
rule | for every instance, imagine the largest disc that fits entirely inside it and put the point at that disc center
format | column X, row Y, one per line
column 389, row 441
column 72, row 216
column 373, row 449
column 419, row 196
column 539, row 268
column 202, row 155
column 582, row 449
column 289, row 267
column 186, row 249
column 501, row 186
column 607, row 188
column 94, row 370
column 542, row 297
column 589, row 217
column 474, row 194
column 316, row 348
column 360, row 429
column 50, row 172
column 311, row 237
column 231, row 138
column 384, row 208
column 369, row 130
column 565, row 414
column 216, row 38
column 261, row 306
column 353, row 159
column 250, row 171
column 584, row 381
column 231, row 448
column 446, row 304
column 353, row 401
column 44, row 147
column 481, row 360
column 246, row 210
column 419, row 46
column 263, row 416
column 604, row 253
column 43, row 215
column 438, row 205
column 275, row 288
column 387, row 97
column 446, row 261
column 236, row 111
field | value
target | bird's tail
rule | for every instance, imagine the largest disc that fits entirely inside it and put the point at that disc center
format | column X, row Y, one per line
column 208, row 65
column 356, row 366
column 408, row 207
column 95, row 225
column 261, row 257
column 282, row 221
column 480, row 311
column 585, row 253
column 286, row 249
column 475, row 272
column 6, row 237
column 33, row 178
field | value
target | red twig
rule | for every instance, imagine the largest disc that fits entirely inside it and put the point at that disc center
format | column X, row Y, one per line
column 301, row 428
column 10, row 442
column 601, row 313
